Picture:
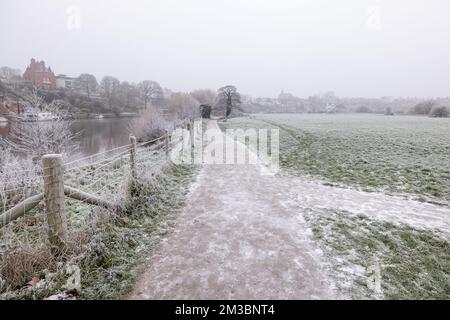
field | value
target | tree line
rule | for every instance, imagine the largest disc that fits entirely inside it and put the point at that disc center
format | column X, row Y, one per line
column 87, row 95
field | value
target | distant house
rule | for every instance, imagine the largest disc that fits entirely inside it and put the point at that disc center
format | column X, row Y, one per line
column 65, row 82
column 40, row 75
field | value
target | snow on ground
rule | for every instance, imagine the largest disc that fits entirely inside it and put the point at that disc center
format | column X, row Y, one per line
column 312, row 194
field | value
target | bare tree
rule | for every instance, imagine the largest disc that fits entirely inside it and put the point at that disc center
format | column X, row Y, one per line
column 109, row 89
column 150, row 92
column 88, row 83
column 150, row 125
column 36, row 139
column 128, row 96
column 229, row 98
column 34, row 102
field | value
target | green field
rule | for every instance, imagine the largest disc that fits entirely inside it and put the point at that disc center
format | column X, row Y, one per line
column 411, row 263
column 404, row 155
column 400, row 154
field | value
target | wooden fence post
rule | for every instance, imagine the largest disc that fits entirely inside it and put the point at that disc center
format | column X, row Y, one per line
column 54, row 200
column 167, row 142
column 133, row 156
column 189, row 128
column 192, row 127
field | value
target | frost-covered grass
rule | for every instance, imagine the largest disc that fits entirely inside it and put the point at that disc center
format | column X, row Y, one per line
column 371, row 256
column 19, row 178
column 362, row 252
column 152, row 208
column 401, row 154
column 108, row 248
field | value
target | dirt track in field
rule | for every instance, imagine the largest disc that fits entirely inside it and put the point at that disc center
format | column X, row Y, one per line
column 238, row 237
column 242, row 235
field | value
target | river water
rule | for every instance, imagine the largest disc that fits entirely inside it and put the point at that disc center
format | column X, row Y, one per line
column 96, row 135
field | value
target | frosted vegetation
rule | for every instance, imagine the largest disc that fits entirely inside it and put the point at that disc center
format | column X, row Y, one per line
column 408, row 263
column 108, row 248
column 370, row 255
column 402, row 154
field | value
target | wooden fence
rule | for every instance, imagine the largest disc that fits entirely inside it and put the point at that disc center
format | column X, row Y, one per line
column 55, row 191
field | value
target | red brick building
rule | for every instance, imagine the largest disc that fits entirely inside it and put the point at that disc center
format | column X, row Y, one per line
column 40, row 75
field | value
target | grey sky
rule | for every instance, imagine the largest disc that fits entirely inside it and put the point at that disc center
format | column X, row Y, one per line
column 262, row 47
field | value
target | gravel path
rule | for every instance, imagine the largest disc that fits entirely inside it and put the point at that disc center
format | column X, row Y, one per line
column 238, row 237
column 242, row 235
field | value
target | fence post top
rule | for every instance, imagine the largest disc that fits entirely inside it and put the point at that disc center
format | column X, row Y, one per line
column 52, row 156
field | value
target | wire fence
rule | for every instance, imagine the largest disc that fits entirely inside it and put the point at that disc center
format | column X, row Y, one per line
column 61, row 196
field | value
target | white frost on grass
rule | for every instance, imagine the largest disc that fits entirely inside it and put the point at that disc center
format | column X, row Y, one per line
column 314, row 195
column 353, row 270
column 243, row 235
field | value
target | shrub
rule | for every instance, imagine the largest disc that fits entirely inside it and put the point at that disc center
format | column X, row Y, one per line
column 205, row 111
column 36, row 139
column 363, row 109
column 423, row 107
column 439, row 112
column 388, row 112
column 150, row 125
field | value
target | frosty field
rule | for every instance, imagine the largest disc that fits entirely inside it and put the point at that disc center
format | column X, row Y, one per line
column 401, row 154
column 374, row 191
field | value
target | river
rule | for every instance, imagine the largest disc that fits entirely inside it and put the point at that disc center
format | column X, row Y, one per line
column 96, row 135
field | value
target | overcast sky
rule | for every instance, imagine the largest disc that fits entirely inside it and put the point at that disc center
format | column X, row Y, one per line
column 352, row 47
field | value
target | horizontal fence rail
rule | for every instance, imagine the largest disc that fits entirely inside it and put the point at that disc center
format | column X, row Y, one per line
column 20, row 209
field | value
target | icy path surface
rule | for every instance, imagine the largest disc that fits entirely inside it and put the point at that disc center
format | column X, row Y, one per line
column 238, row 237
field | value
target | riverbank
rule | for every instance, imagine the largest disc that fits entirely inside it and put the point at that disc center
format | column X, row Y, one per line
column 84, row 116
column 105, row 250
column 94, row 135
